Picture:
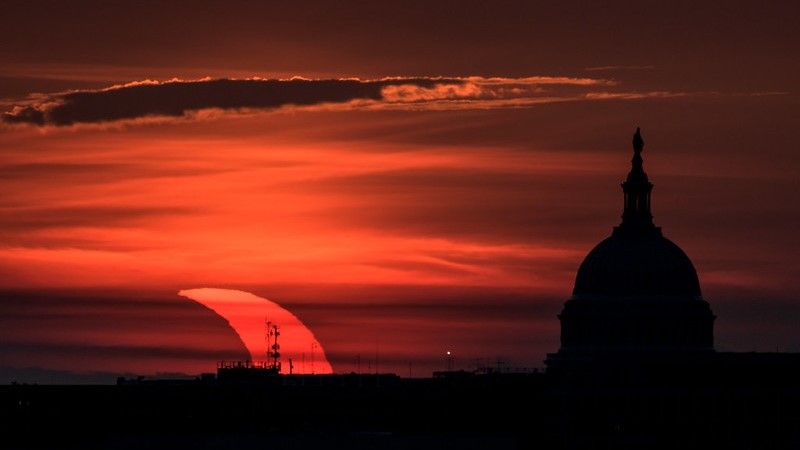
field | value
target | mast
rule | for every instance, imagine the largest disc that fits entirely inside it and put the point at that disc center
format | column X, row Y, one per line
column 273, row 353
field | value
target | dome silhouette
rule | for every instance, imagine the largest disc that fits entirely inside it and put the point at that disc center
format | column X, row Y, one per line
column 637, row 264
column 637, row 260
column 636, row 293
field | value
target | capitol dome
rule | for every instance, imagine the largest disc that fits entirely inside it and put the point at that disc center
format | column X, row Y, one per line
column 637, row 265
column 637, row 260
column 636, row 292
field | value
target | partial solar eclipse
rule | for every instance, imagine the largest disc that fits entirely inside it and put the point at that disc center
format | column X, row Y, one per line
column 246, row 313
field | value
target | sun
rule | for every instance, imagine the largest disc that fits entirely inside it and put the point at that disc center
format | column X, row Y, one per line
column 246, row 313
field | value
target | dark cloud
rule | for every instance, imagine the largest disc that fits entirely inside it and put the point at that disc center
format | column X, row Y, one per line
column 176, row 98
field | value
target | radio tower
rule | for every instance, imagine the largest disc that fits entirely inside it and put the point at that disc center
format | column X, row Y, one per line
column 273, row 347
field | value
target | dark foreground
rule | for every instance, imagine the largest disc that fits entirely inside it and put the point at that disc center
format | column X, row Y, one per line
column 652, row 407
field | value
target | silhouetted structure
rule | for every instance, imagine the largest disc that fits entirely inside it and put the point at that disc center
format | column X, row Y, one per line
column 636, row 293
column 637, row 366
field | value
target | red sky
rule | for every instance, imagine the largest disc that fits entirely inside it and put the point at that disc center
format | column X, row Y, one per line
column 446, row 209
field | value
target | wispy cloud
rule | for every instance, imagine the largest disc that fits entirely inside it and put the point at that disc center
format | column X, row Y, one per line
column 180, row 98
column 633, row 95
column 612, row 68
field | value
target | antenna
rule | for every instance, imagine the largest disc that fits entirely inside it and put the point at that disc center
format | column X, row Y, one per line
column 271, row 337
column 275, row 354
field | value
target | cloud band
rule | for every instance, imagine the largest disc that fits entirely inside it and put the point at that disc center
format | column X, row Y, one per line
column 177, row 98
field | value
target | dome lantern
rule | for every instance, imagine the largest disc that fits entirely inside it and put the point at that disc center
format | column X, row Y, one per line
column 636, row 215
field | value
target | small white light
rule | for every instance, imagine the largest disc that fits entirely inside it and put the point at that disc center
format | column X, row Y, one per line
column 448, row 353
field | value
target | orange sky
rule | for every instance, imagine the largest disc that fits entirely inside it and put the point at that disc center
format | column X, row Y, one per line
column 436, row 199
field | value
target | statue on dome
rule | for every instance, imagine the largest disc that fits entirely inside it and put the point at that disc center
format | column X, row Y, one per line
column 638, row 142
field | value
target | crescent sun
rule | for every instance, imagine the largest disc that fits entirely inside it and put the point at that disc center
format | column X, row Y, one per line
column 246, row 313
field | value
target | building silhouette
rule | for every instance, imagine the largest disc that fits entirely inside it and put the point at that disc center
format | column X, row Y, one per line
column 636, row 293
column 637, row 366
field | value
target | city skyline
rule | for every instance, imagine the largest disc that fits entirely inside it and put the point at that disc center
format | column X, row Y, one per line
column 429, row 189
